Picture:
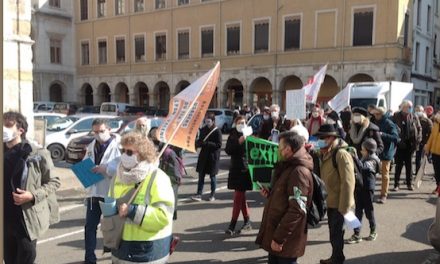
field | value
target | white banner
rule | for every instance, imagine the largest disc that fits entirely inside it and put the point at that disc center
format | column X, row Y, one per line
column 295, row 104
column 314, row 85
column 341, row 100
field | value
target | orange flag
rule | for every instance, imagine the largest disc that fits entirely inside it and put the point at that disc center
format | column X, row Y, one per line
column 187, row 111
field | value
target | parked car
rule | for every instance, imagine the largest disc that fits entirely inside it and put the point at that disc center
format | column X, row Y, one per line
column 63, row 130
column 112, row 108
column 223, row 118
column 40, row 106
column 135, row 110
column 77, row 147
column 66, row 108
column 89, row 109
column 154, row 112
column 49, row 117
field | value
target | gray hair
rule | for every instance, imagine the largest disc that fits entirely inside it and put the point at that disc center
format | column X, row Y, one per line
column 406, row 103
column 275, row 107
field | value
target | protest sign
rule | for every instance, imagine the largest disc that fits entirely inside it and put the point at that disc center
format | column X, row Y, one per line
column 261, row 156
column 296, row 104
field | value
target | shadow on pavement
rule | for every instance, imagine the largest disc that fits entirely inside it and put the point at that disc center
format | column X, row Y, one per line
column 413, row 257
column 258, row 260
column 418, row 231
column 69, row 223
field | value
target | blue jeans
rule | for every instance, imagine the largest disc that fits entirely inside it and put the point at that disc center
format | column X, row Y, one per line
column 93, row 216
column 280, row 260
column 202, row 182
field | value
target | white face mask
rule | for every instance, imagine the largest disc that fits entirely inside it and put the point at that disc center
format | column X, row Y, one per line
column 315, row 114
column 209, row 122
column 129, row 162
column 419, row 114
column 103, row 137
column 240, row 127
column 357, row 119
column 266, row 117
column 8, row 135
column 275, row 115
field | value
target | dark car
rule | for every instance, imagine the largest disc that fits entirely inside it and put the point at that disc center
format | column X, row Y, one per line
column 152, row 111
column 77, row 147
column 135, row 110
column 89, row 109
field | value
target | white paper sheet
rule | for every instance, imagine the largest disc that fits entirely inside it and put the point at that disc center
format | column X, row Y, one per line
column 351, row 221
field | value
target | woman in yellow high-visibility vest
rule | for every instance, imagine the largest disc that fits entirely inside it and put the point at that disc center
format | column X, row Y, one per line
column 148, row 229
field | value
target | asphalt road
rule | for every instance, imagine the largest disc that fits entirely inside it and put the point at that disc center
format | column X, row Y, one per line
column 402, row 225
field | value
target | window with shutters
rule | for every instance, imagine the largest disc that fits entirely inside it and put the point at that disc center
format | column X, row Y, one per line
column 55, row 51
column 183, row 45
column 54, row 3
column 102, row 51
column 416, row 60
column 138, row 5
column 292, row 33
column 139, row 48
column 207, row 42
column 160, row 4
column 406, row 30
column 419, row 12
column 101, row 8
column 85, row 53
column 261, row 37
column 233, row 40
column 428, row 19
column 363, row 28
column 427, row 60
column 119, row 7
column 182, row 2
column 120, row 50
column 84, row 6
column 161, row 47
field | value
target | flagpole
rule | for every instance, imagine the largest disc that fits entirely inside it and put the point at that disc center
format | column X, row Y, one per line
column 187, row 112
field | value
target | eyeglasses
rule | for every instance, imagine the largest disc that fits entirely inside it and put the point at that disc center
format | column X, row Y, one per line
column 128, row 151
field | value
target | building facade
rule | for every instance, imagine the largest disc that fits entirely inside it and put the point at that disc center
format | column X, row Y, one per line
column 54, row 52
column 436, row 54
column 144, row 52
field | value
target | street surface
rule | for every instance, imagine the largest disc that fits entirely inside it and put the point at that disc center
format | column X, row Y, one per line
column 402, row 225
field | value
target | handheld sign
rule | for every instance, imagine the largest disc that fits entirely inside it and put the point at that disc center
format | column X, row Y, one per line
column 83, row 171
column 261, row 156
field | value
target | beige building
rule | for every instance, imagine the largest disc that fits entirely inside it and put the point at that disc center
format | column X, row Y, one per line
column 143, row 52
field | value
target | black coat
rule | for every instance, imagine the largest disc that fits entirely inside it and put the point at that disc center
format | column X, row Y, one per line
column 209, row 157
column 239, row 178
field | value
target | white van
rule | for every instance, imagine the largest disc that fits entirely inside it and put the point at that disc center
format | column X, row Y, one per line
column 110, row 108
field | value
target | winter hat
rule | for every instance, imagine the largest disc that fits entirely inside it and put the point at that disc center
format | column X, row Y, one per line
column 360, row 110
column 370, row 145
column 327, row 130
column 333, row 115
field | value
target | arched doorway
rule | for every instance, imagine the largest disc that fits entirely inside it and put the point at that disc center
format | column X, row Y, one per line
column 56, row 92
column 233, row 94
column 181, row 86
column 142, row 94
column 261, row 92
column 87, row 92
column 360, row 77
column 291, row 82
column 104, row 93
column 213, row 103
column 121, row 91
column 163, row 95
column 329, row 89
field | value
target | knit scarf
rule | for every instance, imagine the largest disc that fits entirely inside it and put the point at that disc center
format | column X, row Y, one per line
column 356, row 135
column 136, row 174
column 312, row 120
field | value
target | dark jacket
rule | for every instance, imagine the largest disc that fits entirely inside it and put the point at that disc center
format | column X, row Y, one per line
column 170, row 165
column 283, row 219
column 426, row 125
column 266, row 129
column 368, row 167
column 410, row 131
column 371, row 131
column 390, row 137
column 209, row 157
column 239, row 177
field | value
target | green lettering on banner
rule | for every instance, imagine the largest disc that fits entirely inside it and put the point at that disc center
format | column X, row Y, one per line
column 262, row 156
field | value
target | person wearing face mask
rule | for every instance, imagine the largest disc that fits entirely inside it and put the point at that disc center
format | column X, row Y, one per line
column 148, row 230
column 283, row 229
column 340, row 184
column 433, row 147
column 239, row 178
column 274, row 125
column 410, row 133
column 361, row 129
column 143, row 126
column 315, row 121
column 210, row 142
column 30, row 204
column 426, row 125
column 104, row 152
column 334, row 119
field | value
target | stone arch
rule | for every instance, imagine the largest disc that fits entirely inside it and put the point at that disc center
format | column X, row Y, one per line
column 291, row 82
column 56, row 90
column 181, row 86
column 162, row 91
column 233, row 91
column 87, row 94
column 261, row 92
column 329, row 89
column 121, row 93
column 103, row 94
column 141, row 92
column 361, row 77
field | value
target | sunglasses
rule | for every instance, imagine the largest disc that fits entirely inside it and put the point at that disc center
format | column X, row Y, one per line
column 128, row 151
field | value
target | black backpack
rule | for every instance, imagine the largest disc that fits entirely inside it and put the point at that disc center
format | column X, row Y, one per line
column 318, row 207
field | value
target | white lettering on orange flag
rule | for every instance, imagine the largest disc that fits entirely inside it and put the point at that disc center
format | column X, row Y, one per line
column 314, row 85
column 187, row 111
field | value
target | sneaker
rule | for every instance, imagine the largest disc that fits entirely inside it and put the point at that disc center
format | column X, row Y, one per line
column 197, row 198
column 354, row 239
column 395, row 189
column 382, row 200
column 230, row 232
column 246, row 227
column 410, row 187
column 371, row 237
column 211, row 198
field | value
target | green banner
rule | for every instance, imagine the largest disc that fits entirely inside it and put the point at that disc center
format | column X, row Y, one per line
column 261, row 156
